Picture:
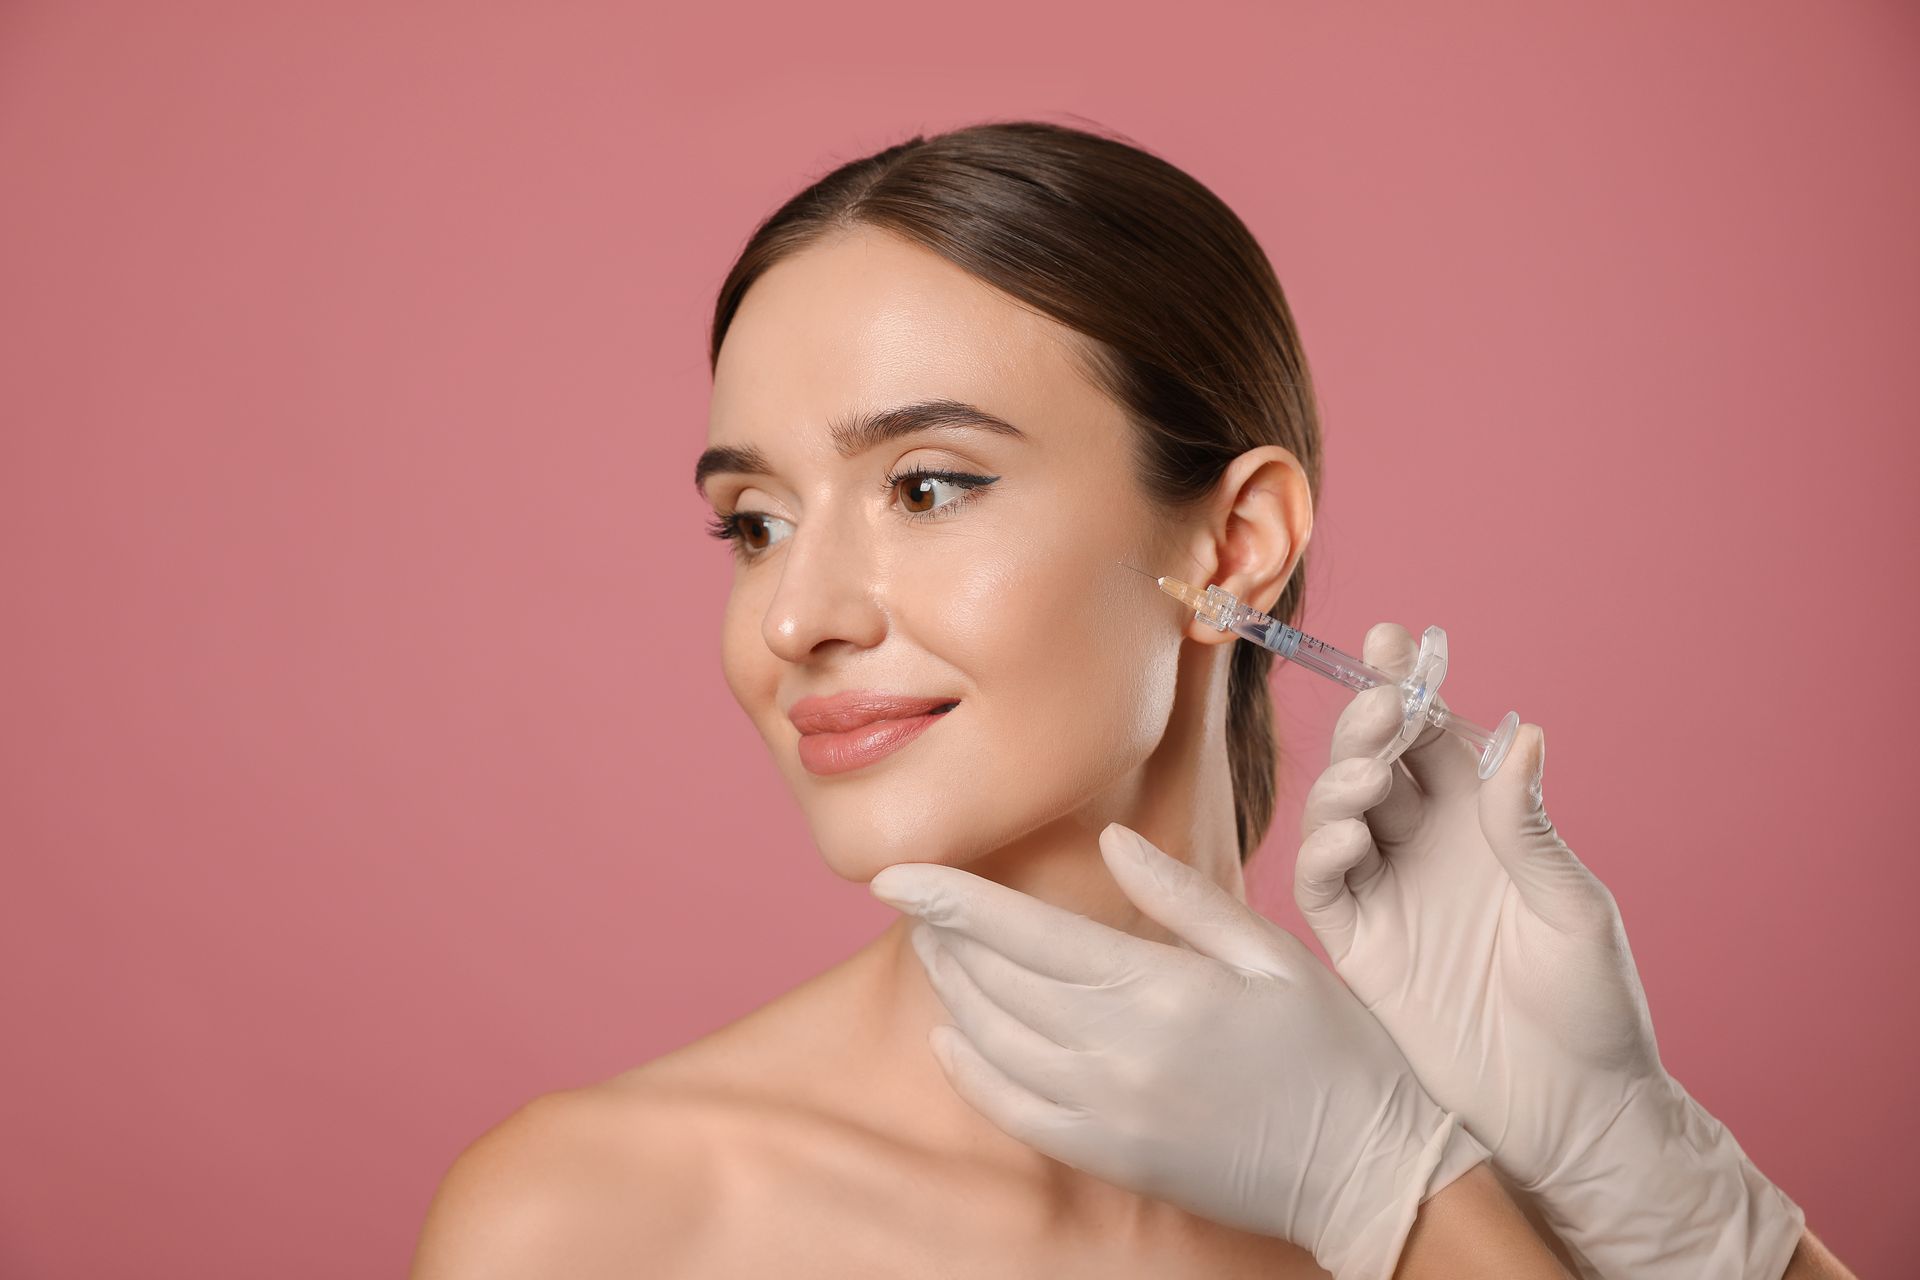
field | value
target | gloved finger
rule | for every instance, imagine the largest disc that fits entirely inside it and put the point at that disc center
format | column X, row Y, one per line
column 1033, row 934
column 1024, row 1055
column 1321, row 880
column 1553, row 883
column 1074, row 1015
column 1440, row 762
column 1211, row 920
column 1047, row 1127
column 1367, row 723
column 1345, row 789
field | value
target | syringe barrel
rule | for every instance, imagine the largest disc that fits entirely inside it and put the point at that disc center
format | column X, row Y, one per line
column 1217, row 608
column 1303, row 650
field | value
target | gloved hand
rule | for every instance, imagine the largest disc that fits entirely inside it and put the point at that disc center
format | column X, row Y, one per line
column 1238, row 1079
column 1499, row 963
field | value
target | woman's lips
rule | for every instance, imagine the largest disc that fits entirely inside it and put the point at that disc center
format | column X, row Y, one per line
column 851, row 731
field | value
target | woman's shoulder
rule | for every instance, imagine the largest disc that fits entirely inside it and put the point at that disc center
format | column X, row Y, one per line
column 573, row 1181
column 648, row 1164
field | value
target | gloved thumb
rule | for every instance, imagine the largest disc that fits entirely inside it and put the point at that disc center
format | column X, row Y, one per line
column 1554, row 884
column 1206, row 917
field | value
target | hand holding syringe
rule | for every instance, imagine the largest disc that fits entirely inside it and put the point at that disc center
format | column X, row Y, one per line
column 1221, row 611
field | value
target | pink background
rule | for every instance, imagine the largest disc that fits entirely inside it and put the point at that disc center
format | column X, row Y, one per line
column 367, row 764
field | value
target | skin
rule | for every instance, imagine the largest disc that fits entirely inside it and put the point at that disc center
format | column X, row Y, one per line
column 769, row 1147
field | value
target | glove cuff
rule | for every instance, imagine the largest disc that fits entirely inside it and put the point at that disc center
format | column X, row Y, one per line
column 1667, row 1193
column 1377, row 1208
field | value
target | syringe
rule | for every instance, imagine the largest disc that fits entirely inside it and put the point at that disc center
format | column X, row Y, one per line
column 1221, row 611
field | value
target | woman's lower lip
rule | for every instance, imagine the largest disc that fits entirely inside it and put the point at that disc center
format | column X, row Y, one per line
column 856, row 748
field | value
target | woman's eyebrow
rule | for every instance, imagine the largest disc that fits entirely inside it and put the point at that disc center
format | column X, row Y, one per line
column 854, row 433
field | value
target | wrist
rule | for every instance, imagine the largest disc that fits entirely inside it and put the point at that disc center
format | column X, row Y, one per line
column 1418, row 1150
column 1474, row 1226
column 1666, row 1191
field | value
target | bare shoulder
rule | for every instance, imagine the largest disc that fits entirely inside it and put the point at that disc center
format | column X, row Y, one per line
column 580, row 1182
column 688, row 1164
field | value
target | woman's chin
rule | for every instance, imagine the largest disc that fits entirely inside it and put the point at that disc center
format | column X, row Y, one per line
column 858, row 849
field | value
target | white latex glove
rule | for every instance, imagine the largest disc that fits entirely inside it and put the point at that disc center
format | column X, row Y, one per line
column 1500, row 965
column 1239, row 1080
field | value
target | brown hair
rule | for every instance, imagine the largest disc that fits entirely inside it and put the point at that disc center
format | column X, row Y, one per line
column 1182, row 321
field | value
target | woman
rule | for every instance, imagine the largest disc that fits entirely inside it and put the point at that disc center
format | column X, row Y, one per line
column 959, row 386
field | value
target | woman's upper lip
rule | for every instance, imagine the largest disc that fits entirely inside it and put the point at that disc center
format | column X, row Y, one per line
column 844, row 711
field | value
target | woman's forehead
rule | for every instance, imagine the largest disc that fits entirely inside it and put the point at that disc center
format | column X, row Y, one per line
column 867, row 321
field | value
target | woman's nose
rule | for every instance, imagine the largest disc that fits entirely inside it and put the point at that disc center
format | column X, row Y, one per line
column 829, row 591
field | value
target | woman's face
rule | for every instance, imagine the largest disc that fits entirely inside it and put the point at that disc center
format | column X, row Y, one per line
column 993, row 587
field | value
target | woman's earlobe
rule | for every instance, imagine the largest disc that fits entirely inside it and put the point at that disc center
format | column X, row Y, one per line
column 1201, row 633
column 1201, row 608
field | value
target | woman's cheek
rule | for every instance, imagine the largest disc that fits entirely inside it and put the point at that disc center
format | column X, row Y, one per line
column 745, row 660
column 1079, row 662
column 1139, row 673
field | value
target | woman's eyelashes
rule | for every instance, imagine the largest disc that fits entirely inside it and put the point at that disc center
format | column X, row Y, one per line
column 925, row 486
column 751, row 532
column 746, row 530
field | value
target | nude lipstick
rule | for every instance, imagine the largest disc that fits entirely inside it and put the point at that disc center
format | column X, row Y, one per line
column 852, row 730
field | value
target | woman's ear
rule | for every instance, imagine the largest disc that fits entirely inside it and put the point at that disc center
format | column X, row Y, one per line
column 1256, row 529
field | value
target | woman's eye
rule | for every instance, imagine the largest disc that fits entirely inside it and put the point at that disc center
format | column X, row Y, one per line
column 924, row 493
column 751, row 532
column 758, row 531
